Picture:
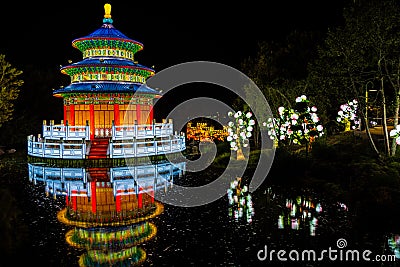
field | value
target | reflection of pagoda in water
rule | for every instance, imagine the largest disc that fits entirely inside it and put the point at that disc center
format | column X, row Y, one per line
column 108, row 108
column 109, row 208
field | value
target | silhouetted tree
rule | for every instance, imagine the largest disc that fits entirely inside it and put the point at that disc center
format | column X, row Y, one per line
column 9, row 89
column 361, row 52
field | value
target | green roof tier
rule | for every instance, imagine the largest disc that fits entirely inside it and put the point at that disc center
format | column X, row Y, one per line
column 107, row 66
column 100, row 43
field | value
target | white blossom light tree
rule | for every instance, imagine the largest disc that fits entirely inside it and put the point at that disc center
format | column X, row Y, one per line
column 240, row 129
column 300, row 125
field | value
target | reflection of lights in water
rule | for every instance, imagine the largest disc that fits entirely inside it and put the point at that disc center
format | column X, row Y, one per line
column 318, row 208
column 111, row 238
column 295, row 224
column 394, row 245
column 301, row 212
column 343, row 206
column 108, row 246
column 125, row 257
column 240, row 202
column 281, row 223
column 313, row 226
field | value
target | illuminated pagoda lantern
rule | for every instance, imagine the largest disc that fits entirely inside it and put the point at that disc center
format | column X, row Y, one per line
column 108, row 107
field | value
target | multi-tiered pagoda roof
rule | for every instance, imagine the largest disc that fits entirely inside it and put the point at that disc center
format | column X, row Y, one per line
column 108, row 108
column 108, row 63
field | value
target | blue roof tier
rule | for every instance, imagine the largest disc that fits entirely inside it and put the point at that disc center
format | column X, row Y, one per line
column 107, row 30
column 107, row 36
column 107, row 87
column 111, row 62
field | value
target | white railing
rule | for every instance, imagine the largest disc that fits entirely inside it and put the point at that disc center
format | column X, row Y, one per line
column 120, row 132
column 102, row 132
column 153, row 177
column 147, row 148
column 60, row 181
column 134, row 148
column 66, row 132
column 154, row 171
column 45, row 173
column 45, row 149
column 141, row 131
column 74, row 181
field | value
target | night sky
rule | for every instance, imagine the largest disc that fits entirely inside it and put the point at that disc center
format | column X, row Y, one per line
column 172, row 33
column 40, row 34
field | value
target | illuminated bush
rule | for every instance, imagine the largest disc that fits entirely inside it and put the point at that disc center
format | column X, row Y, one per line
column 239, row 129
column 348, row 114
column 300, row 125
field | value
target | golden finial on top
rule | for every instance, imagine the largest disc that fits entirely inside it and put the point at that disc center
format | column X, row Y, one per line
column 107, row 10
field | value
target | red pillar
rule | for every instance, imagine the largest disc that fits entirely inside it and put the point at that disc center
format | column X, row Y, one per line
column 152, row 195
column 118, row 202
column 94, row 200
column 65, row 115
column 66, row 200
column 71, row 115
column 74, row 204
column 73, row 200
column 91, row 121
column 138, row 114
column 140, row 200
column 151, row 114
column 116, row 114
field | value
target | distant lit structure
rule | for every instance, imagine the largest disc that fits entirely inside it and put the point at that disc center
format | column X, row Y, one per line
column 204, row 132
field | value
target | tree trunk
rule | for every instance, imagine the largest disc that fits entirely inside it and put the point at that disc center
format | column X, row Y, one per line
column 384, row 123
column 371, row 141
column 307, row 147
column 256, row 132
column 239, row 154
column 395, row 122
column 347, row 126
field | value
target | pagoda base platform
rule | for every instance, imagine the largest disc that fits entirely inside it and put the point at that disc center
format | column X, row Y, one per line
column 95, row 149
column 105, row 162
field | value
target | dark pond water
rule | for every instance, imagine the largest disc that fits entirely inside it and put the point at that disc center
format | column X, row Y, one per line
column 232, row 231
